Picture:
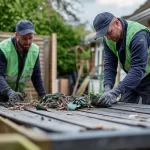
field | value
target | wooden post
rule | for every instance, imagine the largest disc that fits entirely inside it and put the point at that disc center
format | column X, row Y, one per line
column 64, row 86
column 46, row 66
column 77, row 81
column 53, row 63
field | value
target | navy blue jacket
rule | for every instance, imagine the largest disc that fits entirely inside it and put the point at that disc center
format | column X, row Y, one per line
column 139, row 58
column 36, row 76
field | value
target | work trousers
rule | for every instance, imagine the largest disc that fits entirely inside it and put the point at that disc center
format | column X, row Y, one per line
column 142, row 91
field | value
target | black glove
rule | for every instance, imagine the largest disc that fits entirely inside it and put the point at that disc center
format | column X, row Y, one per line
column 107, row 88
column 108, row 98
column 15, row 96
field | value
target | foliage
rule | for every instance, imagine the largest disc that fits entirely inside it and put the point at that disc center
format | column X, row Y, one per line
column 67, row 7
column 86, row 54
column 46, row 21
column 80, row 30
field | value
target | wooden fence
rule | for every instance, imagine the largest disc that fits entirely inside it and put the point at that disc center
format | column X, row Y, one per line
column 48, row 55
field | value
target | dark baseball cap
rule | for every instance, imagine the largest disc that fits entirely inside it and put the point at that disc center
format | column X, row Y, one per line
column 101, row 23
column 24, row 27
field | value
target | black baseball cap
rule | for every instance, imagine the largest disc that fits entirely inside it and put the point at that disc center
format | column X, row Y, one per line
column 101, row 23
column 24, row 27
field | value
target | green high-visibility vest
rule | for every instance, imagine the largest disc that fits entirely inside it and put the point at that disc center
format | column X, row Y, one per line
column 132, row 29
column 15, row 81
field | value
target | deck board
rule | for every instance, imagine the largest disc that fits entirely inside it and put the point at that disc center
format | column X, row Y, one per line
column 45, row 123
column 119, row 114
column 83, row 120
column 131, row 105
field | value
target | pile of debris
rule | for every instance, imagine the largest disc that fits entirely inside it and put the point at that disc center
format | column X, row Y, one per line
column 59, row 101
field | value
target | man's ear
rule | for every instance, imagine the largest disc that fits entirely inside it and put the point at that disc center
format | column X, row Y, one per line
column 117, row 23
column 16, row 34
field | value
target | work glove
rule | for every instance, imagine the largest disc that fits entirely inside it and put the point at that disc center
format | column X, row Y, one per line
column 15, row 96
column 108, row 98
column 107, row 88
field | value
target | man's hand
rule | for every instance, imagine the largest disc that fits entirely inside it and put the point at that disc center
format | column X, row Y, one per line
column 108, row 98
column 15, row 96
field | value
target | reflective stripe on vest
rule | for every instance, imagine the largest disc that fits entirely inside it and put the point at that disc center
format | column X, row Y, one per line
column 14, row 79
column 11, row 55
column 132, row 29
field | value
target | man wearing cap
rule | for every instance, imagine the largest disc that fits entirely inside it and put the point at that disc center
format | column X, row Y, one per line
column 128, row 43
column 19, row 62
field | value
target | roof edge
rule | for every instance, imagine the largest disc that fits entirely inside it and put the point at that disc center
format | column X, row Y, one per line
column 140, row 16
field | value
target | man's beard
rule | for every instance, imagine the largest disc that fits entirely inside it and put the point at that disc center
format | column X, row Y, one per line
column 24, row 48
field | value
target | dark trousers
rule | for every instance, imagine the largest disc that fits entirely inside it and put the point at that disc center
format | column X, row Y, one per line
column 142, row 90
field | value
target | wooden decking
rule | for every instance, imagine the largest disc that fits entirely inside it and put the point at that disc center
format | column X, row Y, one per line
column 122, row 126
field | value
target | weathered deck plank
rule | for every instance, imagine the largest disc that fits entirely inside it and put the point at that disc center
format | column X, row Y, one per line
column 131, row 109
column 90, row 122
column 45, row 123
column 119, row 114
column 131, row 105
column 118, row 120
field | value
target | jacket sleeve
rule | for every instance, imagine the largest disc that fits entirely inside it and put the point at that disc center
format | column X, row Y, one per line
column 37, row 79
column 110, row 66
column 139, row 59
column 3, row 65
